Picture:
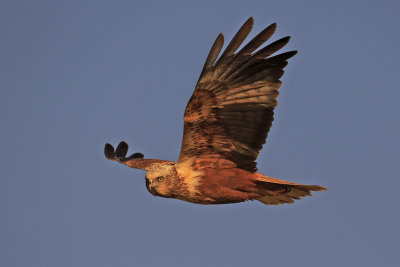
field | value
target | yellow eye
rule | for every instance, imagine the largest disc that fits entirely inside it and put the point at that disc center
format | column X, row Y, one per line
column 161, row 178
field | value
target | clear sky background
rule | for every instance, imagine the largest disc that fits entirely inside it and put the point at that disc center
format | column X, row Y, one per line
column 77, row 74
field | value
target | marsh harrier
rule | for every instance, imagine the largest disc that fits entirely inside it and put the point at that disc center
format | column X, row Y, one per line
column 226, row 123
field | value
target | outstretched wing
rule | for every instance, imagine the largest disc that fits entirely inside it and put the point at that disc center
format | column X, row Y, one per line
column 135, row 160
column 232, row 107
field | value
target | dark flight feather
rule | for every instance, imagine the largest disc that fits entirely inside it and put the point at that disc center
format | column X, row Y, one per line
column 238, row 39
column 122, row 149
column 257, row 41
column 214, row 52
column 271, row 48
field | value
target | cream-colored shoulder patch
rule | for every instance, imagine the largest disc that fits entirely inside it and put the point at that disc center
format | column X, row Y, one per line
column 190, row 177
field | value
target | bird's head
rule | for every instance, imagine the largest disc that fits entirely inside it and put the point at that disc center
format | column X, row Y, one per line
column 160, row 179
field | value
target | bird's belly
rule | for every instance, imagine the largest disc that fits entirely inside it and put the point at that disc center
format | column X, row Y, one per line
column 222, row 192
column 218, row 185
column 204, row 200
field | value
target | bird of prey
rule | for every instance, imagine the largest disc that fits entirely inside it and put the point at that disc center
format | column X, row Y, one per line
column 226, row 123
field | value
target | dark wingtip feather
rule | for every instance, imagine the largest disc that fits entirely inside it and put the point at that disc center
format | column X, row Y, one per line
column 257, row 41
column 272, row 48
column 239, row 37
column 289, row 54
column 122, row 149
column 109, row 151
column 283, row 56
column 136, row 156
column 285, row 40
column 214, row 52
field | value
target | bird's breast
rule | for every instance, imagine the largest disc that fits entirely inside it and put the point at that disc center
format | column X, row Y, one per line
column 188, row 179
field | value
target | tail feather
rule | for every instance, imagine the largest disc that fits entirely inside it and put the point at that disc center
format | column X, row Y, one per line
column 278, row 191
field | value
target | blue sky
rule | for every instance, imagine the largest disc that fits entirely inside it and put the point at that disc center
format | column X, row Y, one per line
column 77, row 74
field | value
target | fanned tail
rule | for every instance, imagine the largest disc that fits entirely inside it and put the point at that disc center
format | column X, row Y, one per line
column 277, row 191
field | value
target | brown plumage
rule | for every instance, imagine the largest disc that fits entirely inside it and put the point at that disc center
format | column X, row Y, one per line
column 226, row 123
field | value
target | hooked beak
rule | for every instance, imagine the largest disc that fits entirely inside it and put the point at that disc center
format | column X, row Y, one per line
column 149, row 185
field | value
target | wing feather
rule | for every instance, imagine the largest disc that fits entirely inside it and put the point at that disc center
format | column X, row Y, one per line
column 238, row 39
column 257, row 41
column 272, row 48
column 231, row 109
column 214, row 52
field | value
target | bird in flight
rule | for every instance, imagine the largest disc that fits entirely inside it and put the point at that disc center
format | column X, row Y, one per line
column 226, row 123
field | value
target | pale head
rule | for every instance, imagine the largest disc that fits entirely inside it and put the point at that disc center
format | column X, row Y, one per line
column 161, row 178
